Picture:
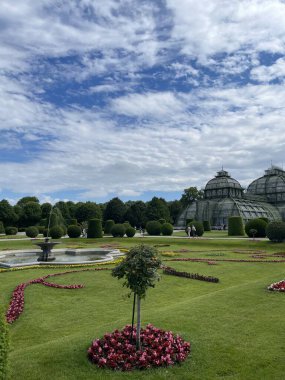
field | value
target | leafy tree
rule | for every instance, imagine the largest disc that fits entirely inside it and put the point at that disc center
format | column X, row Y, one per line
column 190, row 195
column 7, row 213
column 62, row 206
column 71, row 208
column 46, row 208
column 139, row 269
column 136, row 214
column 175, row 208
column 21, row 202
column 157, row 209
column 86, row 211
column 116, row 210
column 31, row 213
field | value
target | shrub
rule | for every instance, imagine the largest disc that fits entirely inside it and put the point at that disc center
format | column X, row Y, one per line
column 130, row 232
column 32, row 232
column 257, row 224
column 45, row 232
column 11, row 230
column 73, row 231
column 162, row 221
column 235, row 226
column 4, row 346
column 41, row 229
column 127, row 225
column 64, row 229
column 2, row 229
column 56, row 232
column 118, row 230
column 199, row 227
column 206, row 225
column 108, row 226
column 275, row 231
column 153, row 227
column 166, row 229
column 94, row 228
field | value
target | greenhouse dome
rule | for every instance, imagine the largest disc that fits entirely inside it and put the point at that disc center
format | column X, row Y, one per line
column 224, row 197
column 223, row 185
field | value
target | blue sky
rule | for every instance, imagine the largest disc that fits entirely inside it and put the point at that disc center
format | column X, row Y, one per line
column 136, row 98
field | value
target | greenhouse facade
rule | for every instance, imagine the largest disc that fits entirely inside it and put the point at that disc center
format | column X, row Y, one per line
column 224, row 197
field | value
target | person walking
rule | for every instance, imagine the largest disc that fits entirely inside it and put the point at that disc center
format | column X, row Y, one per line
column 189, row 231
column 193, row 231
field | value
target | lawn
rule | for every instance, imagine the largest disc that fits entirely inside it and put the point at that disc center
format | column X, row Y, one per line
column 235, row 326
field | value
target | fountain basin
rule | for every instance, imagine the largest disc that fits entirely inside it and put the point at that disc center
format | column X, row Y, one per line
column 64, row 256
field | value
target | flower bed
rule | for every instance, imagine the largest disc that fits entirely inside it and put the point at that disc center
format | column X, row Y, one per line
column 226, row 260
column 118, row 350
column 193, row 276
column 16, row 306
column 277, row 286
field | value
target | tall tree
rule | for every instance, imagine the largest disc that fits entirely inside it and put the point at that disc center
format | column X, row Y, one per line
column 86, row 211
column 139, row 269
column 31, row 214
column 136, row 214
column 21, row 202
column 116, row 210
column 191, row 194
column 157, row 209
column 63, row 207
column 175, row 208
column 46, row 208
column 7, row 213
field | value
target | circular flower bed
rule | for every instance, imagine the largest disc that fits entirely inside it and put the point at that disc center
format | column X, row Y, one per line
column 277, row 286
column 118, row 349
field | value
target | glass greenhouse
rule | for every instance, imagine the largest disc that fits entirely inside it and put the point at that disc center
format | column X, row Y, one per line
column 224, row 197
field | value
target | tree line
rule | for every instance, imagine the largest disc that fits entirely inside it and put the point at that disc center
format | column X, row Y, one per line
column 28, row 211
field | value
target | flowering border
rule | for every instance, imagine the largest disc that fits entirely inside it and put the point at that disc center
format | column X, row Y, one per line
column 193, row 276
column 16, row 306
column 227, row 260
column 277, row 286
column 117, row 350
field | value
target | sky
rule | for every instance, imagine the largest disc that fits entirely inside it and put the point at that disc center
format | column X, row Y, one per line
column 138, row 98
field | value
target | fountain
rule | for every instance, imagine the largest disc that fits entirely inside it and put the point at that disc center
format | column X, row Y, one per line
column 47, row 245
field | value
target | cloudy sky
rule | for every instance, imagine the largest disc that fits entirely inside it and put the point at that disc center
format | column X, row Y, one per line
column 136, row 98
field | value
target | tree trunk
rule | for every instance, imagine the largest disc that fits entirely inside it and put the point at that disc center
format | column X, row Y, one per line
column 138, row 337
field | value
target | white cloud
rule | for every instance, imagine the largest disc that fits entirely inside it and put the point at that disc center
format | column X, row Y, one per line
column 269, row 73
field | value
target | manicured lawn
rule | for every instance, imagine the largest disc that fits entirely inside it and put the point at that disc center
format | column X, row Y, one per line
column 235, row 327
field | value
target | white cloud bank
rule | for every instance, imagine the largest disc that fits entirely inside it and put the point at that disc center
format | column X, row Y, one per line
column 141, row 138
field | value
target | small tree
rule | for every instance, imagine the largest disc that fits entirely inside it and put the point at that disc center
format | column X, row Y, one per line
column 139, row 269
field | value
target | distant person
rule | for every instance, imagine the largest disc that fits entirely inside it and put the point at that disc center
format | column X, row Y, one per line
column 193, row 231
column 189, row 231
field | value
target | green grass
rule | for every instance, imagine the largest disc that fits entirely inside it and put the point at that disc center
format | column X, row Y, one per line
column 235, row 327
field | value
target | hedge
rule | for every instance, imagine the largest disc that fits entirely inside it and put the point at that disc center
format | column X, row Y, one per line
column 32, row 232
column 167, row 229
column 257, row 224
column 206, row 225
column 94, row 228
column 275, row 231
column 11, row 230
column 235, row 226
column 153, row 227
column 118, row 230
column 73, row 231
column 130, row 232
column 108, row 226
column 56, row 232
